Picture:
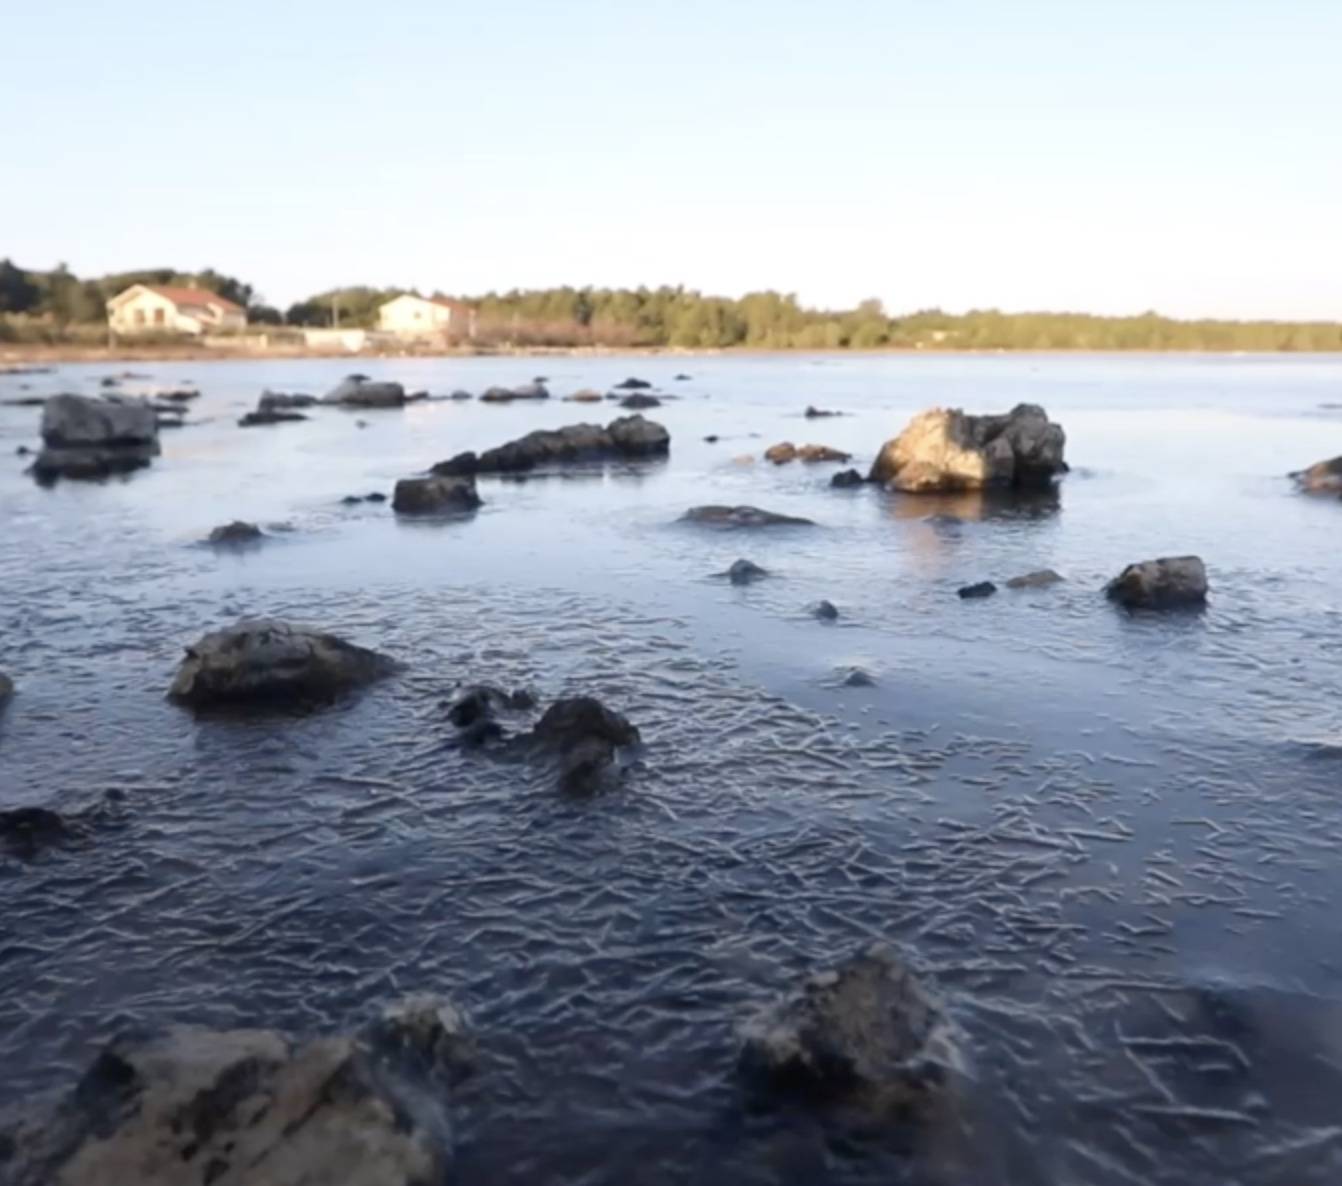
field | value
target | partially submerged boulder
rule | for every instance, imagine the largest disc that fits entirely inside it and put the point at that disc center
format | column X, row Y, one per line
column 824, row 611
column 745, row 572
column 271, row 400
column 1324, row 477
column 814, row 453
column 1040, row 579
column 263, row 416
column 358, row 391
column 781, row 453
column 630, row 437
column 584, row 735
column 638, row 400
column 744, row 516
column 977, row 590
column 24, row 831
column 475, row 711
column 946, row 450
column 269, row 661
column 632, row 384
column 256, row 1108
column 585, row 396
column 866, row 1035
column 438, row 495
column 846, row 479
column 814, row 413
column 236, row 534
column 94, row 438
column 505, row 395
column 1166, row 583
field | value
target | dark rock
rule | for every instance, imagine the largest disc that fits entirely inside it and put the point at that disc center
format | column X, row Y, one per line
column 982, row 589
column 781, row 453
column 628, row 437
column 504, row 395
column 357, row 391
column 745, row 572
column 267, row 661
column 633, row 385
column 275, row 400
column 350, row 499
column 723, row 516
column 24, row 831
column 846, row 479
column 435, row 495
column 255, row 1108
column 681, row 378
column 235, row 534
column 179, row 395
column 1324, row 477
column 6, row 688
column 814, row 453
column 856, row 677
column 414, row 397
column 711, row 440
column 461, row 395
column 584, row 734
column 376, row 496
column 94, row 438
column 866, row 1035
column 825, row 611
column 269, row 416
column 820, row 413
column 947, row 450
column 1034, row 580
column 109, row 381
column 22, row 451
column 640, row 401
column 1160, row 584
column 353, row 499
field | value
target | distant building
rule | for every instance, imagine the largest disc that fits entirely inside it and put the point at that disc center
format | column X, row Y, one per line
column 149, row 308
column 410, row 316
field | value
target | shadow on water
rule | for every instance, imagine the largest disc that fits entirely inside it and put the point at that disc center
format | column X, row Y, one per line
column 973, row 506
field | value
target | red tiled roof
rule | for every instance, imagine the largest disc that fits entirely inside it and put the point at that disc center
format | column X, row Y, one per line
column 446, row 302
column 194, row 297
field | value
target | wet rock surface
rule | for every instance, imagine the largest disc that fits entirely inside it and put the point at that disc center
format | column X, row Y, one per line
column 235, row 534
column 816, row 453
column 267, row 661
column 633, row 384
column 262, row 417
column 253, row 1107
column 438, row 495
column 824, row 611
column 628, row 438
column 640, row 401
column 25, row 831
column 742, row 516
column 1167, row 583
column 476, row 710
column 1039, row 579
column 584, row 735
column 357, row 391
column 506, row 395
column 95, row 438
column 948, row 450
column 1324, row 477
column 745, row 572
column 978, row 590
column 781, row 453
column 586, row 396
column 847, row 479
column 866, row 1034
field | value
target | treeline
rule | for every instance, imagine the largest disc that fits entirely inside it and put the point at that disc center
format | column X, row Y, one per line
column 683, row 318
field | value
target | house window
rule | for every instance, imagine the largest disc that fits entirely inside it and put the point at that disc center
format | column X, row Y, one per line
column 139, row 316
column 158, row 315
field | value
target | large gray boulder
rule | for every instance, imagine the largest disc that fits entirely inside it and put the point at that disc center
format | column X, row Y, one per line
column 866, row 1034
column 93, row 438
column 268, row 661
column 1166, row 583
column 256, row 1108
column 439, row 495
column 1324, row 477
column 944, row 449
column 630, row 437
column 358, row 391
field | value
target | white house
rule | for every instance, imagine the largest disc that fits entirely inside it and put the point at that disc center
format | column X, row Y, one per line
column 410, row 316
column 146, row 308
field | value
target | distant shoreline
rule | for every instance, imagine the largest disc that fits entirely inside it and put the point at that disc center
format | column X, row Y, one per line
column 14, row 355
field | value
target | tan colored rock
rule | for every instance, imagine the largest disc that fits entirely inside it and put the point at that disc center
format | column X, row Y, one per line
column 585, row 396
column 1324, row 477
column 781, row 453
column 814, row 453
column 946, row 449
column 1168, row 582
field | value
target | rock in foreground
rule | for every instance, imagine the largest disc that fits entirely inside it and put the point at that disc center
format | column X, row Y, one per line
column 1160, row 584
column 721, row 516
column 584, row 734
column 628, row 438
column 947, row 450
column 435, row 496
column 24, row 831
column 866, row 1034
column 94, row 438
column 1324, row 477
column 253, row 1108
column 271, row 662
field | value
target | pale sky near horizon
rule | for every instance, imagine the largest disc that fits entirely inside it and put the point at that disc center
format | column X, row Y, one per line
column 1101, row 155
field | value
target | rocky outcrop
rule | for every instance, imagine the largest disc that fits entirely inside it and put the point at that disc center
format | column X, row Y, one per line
column 438, row 495
column 866, row 1035
column 1166, row 583
column 640, row 401
column 475, row 712
column 632, row 384
column 235, row 534
column 505, row 395
column 358, row 391
column 1324, row 477
column 267, row 661
column 723, row 516
column 745, row 572
column 824, row 611
column 94, row 438
column 630, row 437
column 947, row 450
column 846, row 479
column 1034, row 580
column 975, row 591
column 256, row 1108
column 781, row 453
column 584, row 735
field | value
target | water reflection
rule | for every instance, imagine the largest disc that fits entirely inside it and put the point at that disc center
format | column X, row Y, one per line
column 975, row 506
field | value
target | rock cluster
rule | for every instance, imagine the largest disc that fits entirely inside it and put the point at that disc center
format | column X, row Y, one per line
column 628, row 438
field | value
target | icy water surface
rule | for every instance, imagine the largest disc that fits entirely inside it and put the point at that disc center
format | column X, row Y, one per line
column 1110, row 841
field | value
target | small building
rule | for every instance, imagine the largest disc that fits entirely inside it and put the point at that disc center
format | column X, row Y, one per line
column 411, row 316
column 162, row 308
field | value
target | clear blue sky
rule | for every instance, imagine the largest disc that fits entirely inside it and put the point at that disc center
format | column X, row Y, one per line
column 1107, row 155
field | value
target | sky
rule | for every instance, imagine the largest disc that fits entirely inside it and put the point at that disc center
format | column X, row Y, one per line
column 1110, row 156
